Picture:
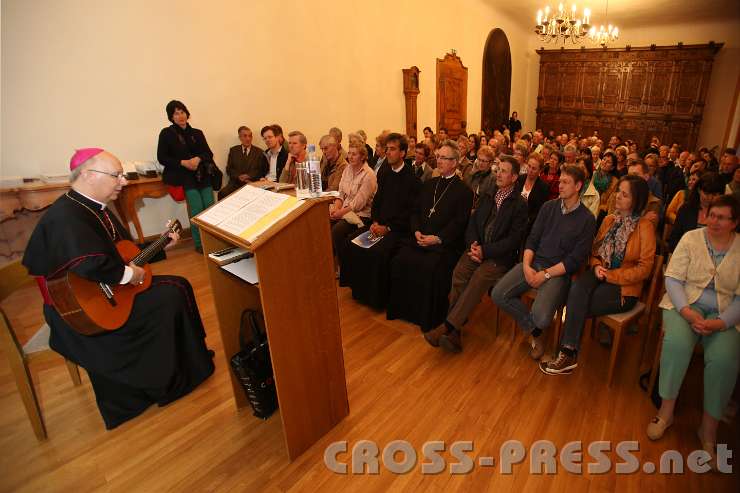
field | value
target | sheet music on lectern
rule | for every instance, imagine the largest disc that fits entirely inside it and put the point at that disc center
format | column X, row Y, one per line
column 249, row 211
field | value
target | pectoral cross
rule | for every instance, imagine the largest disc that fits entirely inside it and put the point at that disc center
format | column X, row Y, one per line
column 431, row 211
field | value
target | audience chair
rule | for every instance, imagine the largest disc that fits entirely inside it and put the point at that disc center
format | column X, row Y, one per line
column 13, row 276
column 619, row 322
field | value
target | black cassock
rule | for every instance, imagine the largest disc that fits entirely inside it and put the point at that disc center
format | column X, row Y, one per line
column 421, row 276
column 366, row 270
column 159, row 354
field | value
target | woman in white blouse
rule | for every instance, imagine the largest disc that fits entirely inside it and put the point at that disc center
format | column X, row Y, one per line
column 702, row 304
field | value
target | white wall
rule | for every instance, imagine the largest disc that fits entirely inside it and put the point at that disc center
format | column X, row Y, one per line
column 78, row 73
column 725, row 71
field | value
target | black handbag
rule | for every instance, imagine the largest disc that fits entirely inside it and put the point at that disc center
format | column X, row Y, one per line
column 210, row 173
column 253, row 367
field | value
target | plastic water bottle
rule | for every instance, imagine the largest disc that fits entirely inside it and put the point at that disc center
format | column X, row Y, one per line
column 314, row 171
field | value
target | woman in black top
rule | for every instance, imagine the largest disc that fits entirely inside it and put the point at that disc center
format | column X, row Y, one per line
column 693, row 213
column 184, row 153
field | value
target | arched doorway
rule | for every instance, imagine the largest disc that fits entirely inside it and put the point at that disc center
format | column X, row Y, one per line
column 496, row 81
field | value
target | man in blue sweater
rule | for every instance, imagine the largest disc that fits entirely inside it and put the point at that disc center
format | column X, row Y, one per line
column 556, row 248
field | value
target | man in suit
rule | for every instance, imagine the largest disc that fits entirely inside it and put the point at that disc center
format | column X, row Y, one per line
column 421, row 169
column 276, row 154
column 245, row 163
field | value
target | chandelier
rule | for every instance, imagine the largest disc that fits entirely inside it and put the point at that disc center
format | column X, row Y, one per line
column 562, row 26
column 604, row 36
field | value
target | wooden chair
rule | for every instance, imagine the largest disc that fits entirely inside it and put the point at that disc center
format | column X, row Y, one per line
column 12, row 277
column 618, row 322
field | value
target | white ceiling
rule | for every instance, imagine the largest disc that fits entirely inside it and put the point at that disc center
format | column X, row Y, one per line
column 628, row 12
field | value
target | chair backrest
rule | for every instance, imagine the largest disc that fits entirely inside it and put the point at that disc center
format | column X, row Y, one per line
column 654, row 282
column 13, row 275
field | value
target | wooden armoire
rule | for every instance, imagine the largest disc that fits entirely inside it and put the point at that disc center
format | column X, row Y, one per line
column 631, row 92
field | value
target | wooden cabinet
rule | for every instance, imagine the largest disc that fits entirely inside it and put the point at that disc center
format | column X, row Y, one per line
column 632, row 92
column 452, row 94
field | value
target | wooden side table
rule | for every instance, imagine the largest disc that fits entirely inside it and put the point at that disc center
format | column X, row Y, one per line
column 138, row 189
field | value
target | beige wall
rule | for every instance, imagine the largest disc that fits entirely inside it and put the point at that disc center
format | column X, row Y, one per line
column 99, row 73
column 725, row 71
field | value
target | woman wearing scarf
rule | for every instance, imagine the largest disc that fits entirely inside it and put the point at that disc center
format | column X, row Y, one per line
column 605, row 182
column 182, row 149
column 621, row 259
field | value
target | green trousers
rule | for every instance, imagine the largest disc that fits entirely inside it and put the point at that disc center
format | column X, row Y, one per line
column 198, row 199
column 721, row 360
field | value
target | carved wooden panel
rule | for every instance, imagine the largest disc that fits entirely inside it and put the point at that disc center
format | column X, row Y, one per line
column 633, row 92
column 452, row 94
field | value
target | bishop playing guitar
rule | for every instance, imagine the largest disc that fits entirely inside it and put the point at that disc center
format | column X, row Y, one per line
column 140, row 337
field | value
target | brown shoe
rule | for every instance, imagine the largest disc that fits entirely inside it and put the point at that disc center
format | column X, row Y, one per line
column 432, row 336
column 537, row 346
column 451, row 341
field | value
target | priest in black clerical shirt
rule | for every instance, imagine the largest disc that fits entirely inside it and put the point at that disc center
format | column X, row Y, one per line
column 421, row 271
column 366, row 270
column 159, row 354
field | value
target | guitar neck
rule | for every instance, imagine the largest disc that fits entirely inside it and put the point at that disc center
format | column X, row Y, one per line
column 146, row 254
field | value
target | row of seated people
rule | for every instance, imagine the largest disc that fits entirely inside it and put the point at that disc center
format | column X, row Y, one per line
column 439, row 255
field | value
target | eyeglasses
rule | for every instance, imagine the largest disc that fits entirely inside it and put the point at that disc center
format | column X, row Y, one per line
column 445, row 158
column 717, row 217
column 118, row 176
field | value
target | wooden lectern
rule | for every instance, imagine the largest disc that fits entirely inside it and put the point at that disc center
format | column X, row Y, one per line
column 297, row 295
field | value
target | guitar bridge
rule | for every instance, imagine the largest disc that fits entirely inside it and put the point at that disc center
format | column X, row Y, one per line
column 108, row 293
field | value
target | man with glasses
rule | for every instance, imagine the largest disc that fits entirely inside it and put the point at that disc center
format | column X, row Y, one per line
column 494, row 235
column 159, row 354
column 365, row 270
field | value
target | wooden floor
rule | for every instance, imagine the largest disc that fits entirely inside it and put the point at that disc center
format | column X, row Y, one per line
column 399, row 389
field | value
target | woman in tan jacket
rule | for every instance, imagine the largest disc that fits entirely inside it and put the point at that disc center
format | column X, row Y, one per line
column 621, row 260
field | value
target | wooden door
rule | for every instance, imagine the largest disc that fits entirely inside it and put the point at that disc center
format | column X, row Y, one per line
column 496, row 91
column 452, row 94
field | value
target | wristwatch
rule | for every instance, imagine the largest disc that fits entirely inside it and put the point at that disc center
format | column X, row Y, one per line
column 547, row 275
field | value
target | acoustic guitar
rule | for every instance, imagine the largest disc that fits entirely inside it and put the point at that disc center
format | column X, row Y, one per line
column 91, row 307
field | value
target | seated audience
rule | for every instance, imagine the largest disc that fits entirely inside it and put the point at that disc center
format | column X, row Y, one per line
column 620, row 169
column 297, row 143
column 421, row 270
column 275, row 154
column 695, row 211
column 245, row 163
column 681, row 198
column 356, row 190
column 556, row 248
column 422, row 170
column 702, row 305
column 464, row 166
column 551, row 174
column 533, row 188
column 622, row 258
column 337, row 134
column 369, row 149
column 494, row 234
column 605, row 182
column 482, row 178
column 379, row 157
column 366, row 270
column 442, row 135
column 569, row 152
column 669, row 175
column 589, row 195
column 473, row 147
column 733, row 187
column 654, row 207
column 428, row 132
column 332, row 163
column 654, row 184
column 411, row 155
column 728, row 165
